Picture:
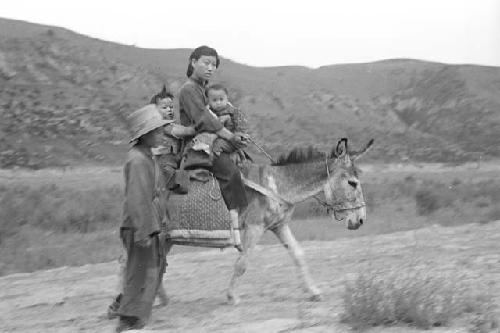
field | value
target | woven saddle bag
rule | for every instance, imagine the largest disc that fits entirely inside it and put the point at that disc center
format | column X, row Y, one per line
column 200, row 217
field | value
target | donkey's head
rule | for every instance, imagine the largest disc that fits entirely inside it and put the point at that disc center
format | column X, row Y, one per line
column 343, row 192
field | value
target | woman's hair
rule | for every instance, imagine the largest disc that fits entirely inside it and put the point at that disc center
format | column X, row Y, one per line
column 217, row 87
column 161, row 95
column 201, row 51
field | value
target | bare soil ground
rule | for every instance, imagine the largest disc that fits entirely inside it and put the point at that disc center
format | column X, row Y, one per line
column 75, row 299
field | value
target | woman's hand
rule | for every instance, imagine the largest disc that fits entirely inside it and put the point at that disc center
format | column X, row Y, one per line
column 244, row 137
column 221, row 145
column 238, row 140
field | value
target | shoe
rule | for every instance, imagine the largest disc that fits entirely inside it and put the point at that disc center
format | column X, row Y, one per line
column 113, row 307
column 239, row 247
column 129, row 323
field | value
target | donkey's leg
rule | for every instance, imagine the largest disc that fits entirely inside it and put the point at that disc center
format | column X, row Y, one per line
column 251, row 236
column 162, row 295
column 286, row 237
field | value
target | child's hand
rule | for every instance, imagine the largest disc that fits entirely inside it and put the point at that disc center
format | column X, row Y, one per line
column 225, row 118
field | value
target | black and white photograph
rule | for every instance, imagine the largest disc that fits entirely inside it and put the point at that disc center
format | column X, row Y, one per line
column 250, row 166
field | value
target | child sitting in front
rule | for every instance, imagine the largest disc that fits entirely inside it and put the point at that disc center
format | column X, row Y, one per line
column 231, row 117
column 235, row 121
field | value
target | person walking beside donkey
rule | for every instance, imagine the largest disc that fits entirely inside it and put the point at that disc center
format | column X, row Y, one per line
column 144, row 212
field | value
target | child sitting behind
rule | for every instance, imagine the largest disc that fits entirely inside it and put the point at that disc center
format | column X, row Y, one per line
column 169, row 151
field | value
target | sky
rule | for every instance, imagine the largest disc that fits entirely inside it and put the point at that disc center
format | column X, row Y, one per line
column 310, row 33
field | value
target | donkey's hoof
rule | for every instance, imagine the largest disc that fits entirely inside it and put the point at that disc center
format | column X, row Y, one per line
column 315, row 298
column 233, row 300
column 163, row 303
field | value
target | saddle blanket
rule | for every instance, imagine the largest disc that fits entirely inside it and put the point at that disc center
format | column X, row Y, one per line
column 199, row 215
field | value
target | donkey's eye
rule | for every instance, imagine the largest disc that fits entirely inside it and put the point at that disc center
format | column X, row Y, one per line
column 353, row 183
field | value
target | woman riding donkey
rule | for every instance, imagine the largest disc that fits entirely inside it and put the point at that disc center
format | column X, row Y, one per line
column 203, row 62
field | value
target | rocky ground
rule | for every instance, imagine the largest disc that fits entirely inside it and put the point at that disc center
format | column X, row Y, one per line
column 74, row 299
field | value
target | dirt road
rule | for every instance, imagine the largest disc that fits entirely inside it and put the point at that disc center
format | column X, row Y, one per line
column 75, row 299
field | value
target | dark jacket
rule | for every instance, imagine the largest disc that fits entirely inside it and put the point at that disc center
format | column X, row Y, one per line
column 139, row 212
column 193, row 108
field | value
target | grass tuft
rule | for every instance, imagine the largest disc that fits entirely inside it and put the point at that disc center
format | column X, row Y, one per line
column 416, row 298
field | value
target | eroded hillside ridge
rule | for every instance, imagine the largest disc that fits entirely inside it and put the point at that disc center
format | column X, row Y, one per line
column 64, row 98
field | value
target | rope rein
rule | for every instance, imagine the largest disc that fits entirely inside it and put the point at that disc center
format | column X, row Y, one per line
column 262, row 150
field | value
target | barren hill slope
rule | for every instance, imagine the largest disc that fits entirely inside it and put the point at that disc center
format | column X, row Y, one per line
column 75, row 299
column 64, row 96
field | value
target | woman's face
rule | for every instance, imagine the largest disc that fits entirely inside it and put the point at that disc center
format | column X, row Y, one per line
column 166, row 108
column 204, row 67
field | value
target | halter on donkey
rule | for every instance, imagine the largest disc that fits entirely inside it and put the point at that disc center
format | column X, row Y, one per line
column 274, row 190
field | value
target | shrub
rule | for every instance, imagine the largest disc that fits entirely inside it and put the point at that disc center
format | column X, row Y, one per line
column 427, row 201
column 408, row 186
column 494, row 214
column 58, row 209
column 414, row 298
column 370, row 194
column 456, row 182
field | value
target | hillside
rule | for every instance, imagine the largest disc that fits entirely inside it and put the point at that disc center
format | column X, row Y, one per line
column 64, row 98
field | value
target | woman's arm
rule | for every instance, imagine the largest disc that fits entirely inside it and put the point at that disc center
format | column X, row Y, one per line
column 192, row 102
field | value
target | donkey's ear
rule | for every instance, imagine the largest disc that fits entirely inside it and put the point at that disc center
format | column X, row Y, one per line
column 341, row 147
column 358, row 154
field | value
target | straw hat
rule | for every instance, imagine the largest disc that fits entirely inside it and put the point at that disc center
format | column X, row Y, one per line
column 145, row 120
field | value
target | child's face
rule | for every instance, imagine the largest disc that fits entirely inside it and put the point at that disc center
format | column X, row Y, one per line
column 166, row 108
column 217, row 99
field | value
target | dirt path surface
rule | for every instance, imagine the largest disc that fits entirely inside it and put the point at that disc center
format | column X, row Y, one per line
column 74, row 299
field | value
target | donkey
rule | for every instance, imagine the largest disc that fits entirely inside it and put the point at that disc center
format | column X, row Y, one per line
column 274, row 190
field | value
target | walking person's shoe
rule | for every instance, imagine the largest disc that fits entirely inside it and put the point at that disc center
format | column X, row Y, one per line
column 127, row 323
column 113, row 307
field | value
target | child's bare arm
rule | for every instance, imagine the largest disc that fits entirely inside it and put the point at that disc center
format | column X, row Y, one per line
column 179, row 131
column 224, row 119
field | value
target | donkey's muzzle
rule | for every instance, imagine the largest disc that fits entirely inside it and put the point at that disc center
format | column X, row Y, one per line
column 353, row 225
column 355, row 218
